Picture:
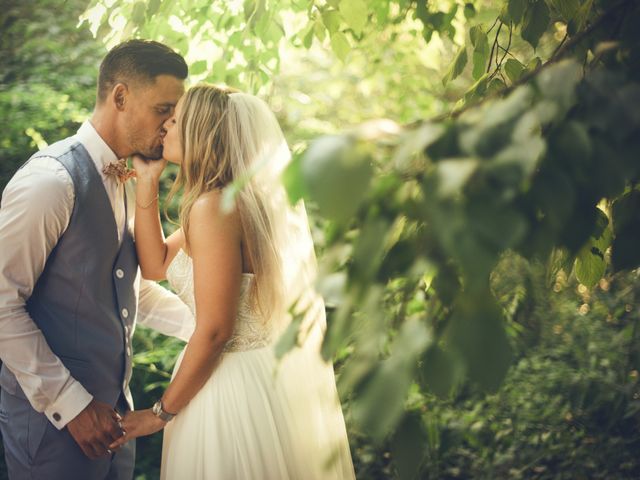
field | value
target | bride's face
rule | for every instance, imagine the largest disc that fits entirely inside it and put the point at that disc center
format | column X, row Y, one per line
column 172, row 150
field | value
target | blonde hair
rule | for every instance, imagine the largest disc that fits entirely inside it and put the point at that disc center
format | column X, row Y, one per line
column 232, row 140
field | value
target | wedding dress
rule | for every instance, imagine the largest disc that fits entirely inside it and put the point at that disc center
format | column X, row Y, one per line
column 256, row 417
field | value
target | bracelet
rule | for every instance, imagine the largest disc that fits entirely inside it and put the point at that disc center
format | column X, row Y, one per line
column 144, row 207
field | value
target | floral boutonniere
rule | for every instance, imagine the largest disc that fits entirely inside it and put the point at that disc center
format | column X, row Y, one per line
column 120, row 170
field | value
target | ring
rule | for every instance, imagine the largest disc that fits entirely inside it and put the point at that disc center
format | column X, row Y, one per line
column 109, row 452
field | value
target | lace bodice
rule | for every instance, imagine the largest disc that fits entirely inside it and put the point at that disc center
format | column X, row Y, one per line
column 250, row 331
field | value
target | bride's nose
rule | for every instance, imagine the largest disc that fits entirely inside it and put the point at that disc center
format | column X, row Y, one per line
column 168, row 122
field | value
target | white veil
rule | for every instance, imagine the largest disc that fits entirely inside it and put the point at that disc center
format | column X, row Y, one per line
column 267, row 155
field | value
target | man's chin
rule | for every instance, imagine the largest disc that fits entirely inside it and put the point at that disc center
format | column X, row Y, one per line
column 154, row 153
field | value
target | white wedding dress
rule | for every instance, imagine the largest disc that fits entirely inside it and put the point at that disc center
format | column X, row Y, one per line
column 256, row 418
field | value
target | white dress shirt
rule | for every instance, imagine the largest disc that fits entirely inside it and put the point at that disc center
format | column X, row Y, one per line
column 35, row 211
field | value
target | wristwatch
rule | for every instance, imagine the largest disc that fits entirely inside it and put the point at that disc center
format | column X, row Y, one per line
column 159, row 412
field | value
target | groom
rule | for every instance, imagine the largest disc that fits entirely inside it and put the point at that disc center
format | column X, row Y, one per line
column 70, row 287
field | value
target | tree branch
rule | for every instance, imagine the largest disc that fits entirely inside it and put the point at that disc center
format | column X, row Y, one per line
column 558, row 54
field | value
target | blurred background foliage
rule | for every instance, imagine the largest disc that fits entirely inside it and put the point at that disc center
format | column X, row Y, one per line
column 471, row 171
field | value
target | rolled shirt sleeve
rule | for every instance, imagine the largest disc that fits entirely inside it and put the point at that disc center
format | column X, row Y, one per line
column 162, row 310
column 35, row 211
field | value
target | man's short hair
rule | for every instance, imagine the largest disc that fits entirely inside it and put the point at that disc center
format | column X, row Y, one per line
column 141, row 60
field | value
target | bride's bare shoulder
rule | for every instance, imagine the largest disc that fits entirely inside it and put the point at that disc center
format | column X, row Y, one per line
column 208, row 209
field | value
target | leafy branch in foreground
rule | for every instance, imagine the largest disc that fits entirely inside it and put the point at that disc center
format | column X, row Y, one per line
column 549, row 170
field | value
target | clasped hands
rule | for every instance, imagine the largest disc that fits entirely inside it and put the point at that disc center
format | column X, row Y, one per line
column 138, row 423
column 99, row 430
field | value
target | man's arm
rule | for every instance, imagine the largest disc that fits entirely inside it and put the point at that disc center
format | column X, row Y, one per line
column 35, row 211
column 163, row 311
column 33, row 215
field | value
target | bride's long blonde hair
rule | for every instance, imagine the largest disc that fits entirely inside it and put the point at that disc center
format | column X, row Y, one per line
column 232, row 140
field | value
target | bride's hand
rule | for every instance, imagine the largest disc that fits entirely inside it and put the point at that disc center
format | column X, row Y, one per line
column 148, row 169
column 138, row 423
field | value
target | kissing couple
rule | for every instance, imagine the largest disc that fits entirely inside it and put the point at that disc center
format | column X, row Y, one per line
column 81, row 249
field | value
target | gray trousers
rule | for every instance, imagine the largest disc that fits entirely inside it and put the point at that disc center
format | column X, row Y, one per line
column 36, row 450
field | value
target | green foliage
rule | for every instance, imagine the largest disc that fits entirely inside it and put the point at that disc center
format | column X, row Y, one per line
column 529, row 145
column 44, row 96
column 567, row 409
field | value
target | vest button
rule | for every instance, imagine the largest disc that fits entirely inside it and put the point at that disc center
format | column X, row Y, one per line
column 125, row 313
column 120, row 273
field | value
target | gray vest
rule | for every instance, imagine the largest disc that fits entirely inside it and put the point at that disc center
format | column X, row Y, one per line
column 85, row 300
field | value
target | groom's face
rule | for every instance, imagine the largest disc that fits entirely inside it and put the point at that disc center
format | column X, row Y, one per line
column 150, row 105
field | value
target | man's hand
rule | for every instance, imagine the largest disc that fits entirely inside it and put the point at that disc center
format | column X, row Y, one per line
column 95, row 428
column 137, row 424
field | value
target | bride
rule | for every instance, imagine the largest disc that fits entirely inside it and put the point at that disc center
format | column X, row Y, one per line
column 242, row 260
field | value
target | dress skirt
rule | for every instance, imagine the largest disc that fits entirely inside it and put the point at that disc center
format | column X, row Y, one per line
column 260, row 418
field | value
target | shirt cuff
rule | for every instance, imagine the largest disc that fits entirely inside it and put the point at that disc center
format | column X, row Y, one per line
column 68, row 405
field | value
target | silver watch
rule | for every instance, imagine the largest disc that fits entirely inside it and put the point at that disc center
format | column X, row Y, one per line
column 159, row 412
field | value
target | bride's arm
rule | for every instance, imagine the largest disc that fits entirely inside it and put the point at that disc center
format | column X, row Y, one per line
column 154, row 252
column 214, row 243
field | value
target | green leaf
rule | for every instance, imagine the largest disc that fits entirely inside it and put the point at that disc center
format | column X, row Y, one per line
column 515, row 9
column 469, row 11
column 579, row 20
column 517, row 161
column 535, row 23
column 198, row 67
column 495, row 85
column 514, row 69
column 354, row 13
column 568, row 9
column 152, row 8
column 478, row 89
column 340, row 45
column 308, row 38
column 274, row 32
column 590, row 262
column 408, row 446
column 320, row 29
column 236, row 38
column 500, row 226
column 369, row 248
column 293, row 181
column 138, row 13
column 415, row 141
column 104, row 29
column 457, row 65
column 453, row 174
column 249, row 7
column 626, row 225
column 440, row 371
column 289, row 338
column 558, row 82
column 382, row 12
column 477, row 333
column 383, row 397
column 336, row 175
column 331, row 20
column 481, row 50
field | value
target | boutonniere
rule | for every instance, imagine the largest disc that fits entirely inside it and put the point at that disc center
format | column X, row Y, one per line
column 120, row 170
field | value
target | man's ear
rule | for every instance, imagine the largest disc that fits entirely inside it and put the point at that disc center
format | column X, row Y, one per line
column 119, row 95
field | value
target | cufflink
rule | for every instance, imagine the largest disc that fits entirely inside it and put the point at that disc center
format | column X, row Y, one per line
column 56, row 417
